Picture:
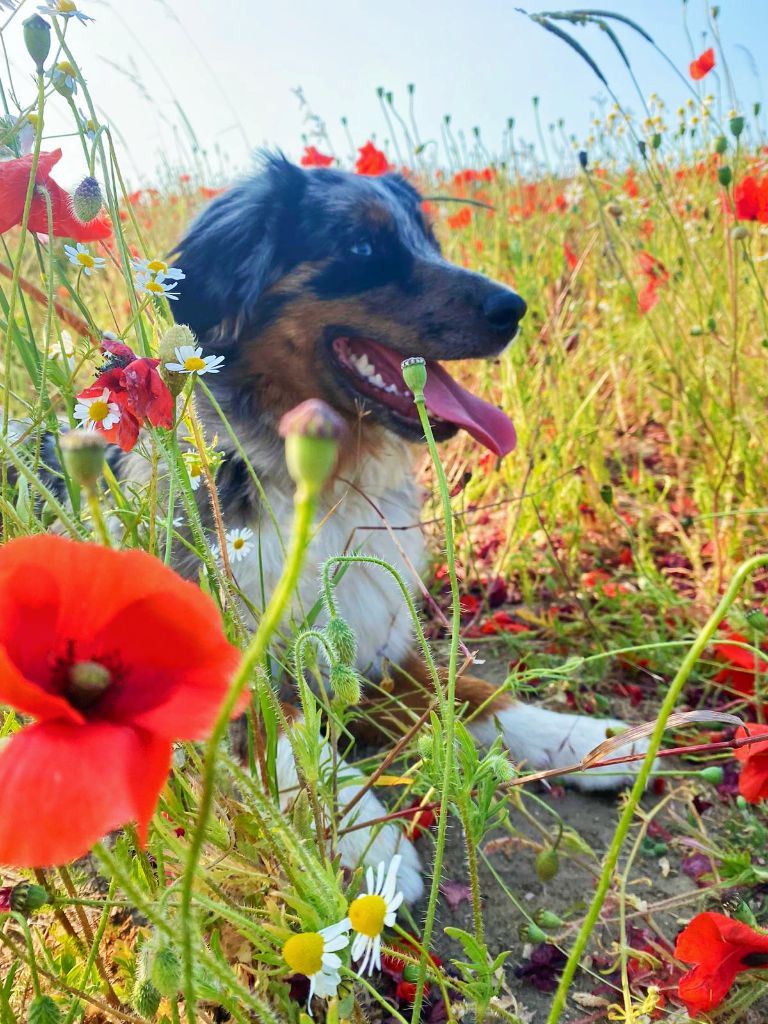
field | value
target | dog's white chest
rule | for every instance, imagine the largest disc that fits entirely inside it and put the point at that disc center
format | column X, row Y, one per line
column 353, row 520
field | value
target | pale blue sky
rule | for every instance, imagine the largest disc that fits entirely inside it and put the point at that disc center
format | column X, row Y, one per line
column 232, row 64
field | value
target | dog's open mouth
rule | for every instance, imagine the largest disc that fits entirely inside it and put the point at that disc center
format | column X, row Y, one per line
column 373, row 371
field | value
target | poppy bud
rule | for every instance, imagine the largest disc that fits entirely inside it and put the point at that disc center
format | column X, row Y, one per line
column 721, row 144
column 345, row 684
column 64, row 79
column 606, row 494
column 43, row 1010
column 547, row 919
column 711, row 324
column 37, row 39
column 312, row 432
column 737, row 126
column 145, row 998
column 724, row 176
column 83, row 453
column 342, row 639
column 175, row 337
column 27, row 898
column 714, row 774
column 414, row 373
column 696, row 331
column 87, row 200
column 642, row 147
column 547, row 864
column 757, row 619
column 530, row 932
column 583, row 159
column 165, row 972
column 656, row 140
column 739, row 233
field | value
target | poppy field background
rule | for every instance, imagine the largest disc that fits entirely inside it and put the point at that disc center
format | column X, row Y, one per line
column 589, row 561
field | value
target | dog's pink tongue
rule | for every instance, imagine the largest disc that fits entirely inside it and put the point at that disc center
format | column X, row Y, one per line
column 449, row 400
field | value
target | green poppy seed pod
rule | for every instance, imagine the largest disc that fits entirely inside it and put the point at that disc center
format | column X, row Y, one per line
column 583, row 159
column 547, row 919
column 83, row 453
column 87, row 200
column 756, row 108
column 656, row 140
column 530, row 932
column 414, row 374
column 27, row 898
column 547, row 864
column 696, row 331
column 345, row 684
column 642, row 147
column 37, row 39
column 714, row 774
column 145, row 998
column 711, row 324
column 342, row 639
column 724, row 175
column 606, row 494
column 757, row 620
column 165, row 971
column 739, row 233
column 43, row 1010
column 737, row 126
column 312, row 433
column 721, row 144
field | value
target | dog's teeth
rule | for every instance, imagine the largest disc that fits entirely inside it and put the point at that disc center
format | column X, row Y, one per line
column 392, row 389
column 364, row 366
column 378, row 380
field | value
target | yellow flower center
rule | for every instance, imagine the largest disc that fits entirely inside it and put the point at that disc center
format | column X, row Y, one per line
column 195, row 470
column 304, row 953
column 153, row 286
column 99, row 410
column 367, row 914
column 238, row 543
column 66, row 6
column 85, row 260
column 194, row 363
column 157, row 266
column 66, row 69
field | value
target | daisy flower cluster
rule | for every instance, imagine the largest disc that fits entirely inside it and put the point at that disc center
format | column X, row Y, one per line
column 315, row 954
column 79, row 256
column 156, row 279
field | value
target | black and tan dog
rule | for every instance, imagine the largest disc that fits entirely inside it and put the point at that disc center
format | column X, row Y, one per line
column 317, row 284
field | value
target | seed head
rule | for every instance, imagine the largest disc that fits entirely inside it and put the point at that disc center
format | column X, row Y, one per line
column 87, row 200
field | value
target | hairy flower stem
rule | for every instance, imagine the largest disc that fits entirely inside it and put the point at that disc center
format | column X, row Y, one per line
column 448, row 706
column 612, row 857
column 304, row 512
column 474, row 878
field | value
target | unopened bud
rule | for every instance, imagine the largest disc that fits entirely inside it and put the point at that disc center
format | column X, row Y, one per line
column 724, row 176
column 414, row 373
column 606, row 494
column 37, row 39
column 145, row 998
column 547, row 919
column 43, row 1010
column 27, row 898
column 739, row 233
column 342, row 639
column 83, row 453
column 345, row 684
column 312, row 432
column 757, row 620
column 614, row 209
column 737, row 126
column 721, row 144
column 87, row 200
column 583, row 159
column 175, row 337
column 165, row 972
column 714, row 774
column 547, row 864
column 530, row 932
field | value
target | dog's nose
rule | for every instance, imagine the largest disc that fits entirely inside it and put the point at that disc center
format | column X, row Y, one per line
column 504, row 310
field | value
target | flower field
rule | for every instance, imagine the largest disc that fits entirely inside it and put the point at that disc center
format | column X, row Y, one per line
column 615, row 563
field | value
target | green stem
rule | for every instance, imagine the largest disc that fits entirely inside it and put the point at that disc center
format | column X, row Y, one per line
column 690, row 660
column 474, row 878
column 304, row 511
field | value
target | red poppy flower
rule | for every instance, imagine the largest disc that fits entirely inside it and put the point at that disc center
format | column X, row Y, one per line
column 459, row 220
column 656, row 274
column 750, row 198
column 740, row 665
column 14, row 179
column 702, row 65
column 138, row 389
column 720, row 949
column 753, row 780
column 312, row 157
column 502, row 622
column 371, row 160
column 570, row 256
column 115, row 656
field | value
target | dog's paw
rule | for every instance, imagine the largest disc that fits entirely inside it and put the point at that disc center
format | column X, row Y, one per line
column 541, row 739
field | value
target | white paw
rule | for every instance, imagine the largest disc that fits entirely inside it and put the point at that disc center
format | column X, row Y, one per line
column 541, row 739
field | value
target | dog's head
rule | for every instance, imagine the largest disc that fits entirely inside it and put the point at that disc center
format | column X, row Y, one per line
column 317, row 284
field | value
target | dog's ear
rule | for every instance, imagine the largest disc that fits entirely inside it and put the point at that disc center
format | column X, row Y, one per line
column 230, row 254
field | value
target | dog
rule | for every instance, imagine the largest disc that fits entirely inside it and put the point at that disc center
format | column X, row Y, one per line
column 317, row 284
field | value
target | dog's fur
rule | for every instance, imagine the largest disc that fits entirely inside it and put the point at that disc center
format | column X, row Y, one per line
column 276, row 269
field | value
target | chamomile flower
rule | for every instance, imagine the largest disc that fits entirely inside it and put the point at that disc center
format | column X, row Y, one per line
column 191, row 360
column 371, row 913
column 155, row 285
column 87, row 123
column 63, row 349
column 194, row 469
column 97, row 412
column 65, row 9
column 239, row 544
column 314, row 954
column 157, row 266
column 64, row 78
column 79, row 256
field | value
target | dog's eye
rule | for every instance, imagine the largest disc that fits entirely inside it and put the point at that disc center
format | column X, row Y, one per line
column 362, row 247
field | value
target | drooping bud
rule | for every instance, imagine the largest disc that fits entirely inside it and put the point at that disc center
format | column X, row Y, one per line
column 547, row 864
column 37, row 39
column 312, row 432
column 27, row 898
column 757, row 620
column 713, row 775
column 414, row 373
column 43, row 1010
column 342, row 639
column 87, row 200
column 345, row 684
column 165, row 971
column 530, row 932
column 145, row 998
column 83, row 453
column 547, row 919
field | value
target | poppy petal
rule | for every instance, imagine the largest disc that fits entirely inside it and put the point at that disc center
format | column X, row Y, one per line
column 31, row 699
column 64, row 787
